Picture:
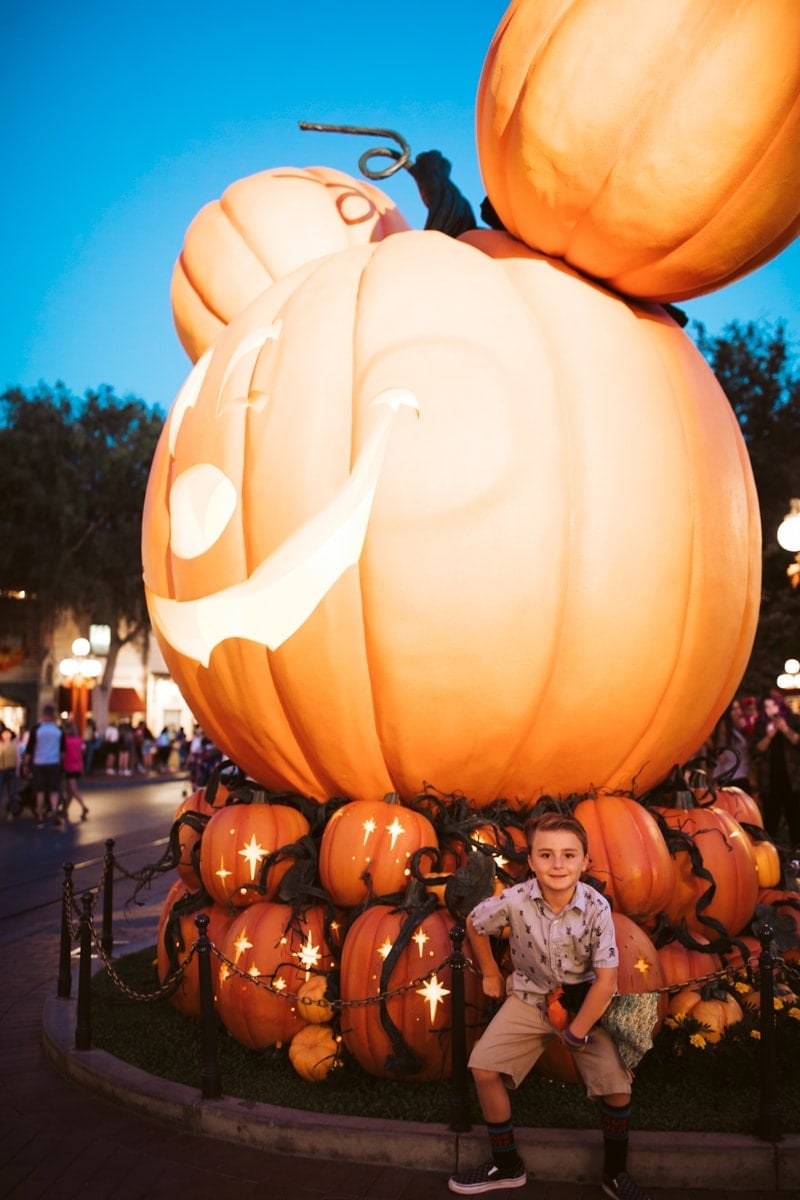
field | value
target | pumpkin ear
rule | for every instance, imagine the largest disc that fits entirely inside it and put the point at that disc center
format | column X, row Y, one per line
column 606, row 185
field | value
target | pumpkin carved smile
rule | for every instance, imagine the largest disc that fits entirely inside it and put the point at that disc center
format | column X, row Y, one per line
column 278, row 597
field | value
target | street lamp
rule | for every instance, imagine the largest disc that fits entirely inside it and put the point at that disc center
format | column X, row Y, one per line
column 80, row 672
column 789, row 539
column 789, row 679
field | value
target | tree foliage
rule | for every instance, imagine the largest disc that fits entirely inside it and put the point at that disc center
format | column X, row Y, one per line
column 760, row 374
column 74, row 473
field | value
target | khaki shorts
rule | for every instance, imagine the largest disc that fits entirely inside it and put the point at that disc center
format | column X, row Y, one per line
column 517, row 1035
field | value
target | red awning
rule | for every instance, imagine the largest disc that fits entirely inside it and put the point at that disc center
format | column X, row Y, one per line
column 125, row 700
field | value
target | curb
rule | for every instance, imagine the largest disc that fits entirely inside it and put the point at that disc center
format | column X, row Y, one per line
column 665, row 1160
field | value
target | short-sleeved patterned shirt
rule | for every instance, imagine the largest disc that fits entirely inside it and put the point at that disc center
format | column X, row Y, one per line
column 549, row 948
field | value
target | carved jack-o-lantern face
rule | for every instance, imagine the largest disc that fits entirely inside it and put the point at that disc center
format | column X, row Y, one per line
column 400, row 528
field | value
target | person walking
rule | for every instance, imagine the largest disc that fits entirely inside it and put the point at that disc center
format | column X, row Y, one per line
column 73, row 769
column 561, row 934
column 9, row 766
column 44, row 753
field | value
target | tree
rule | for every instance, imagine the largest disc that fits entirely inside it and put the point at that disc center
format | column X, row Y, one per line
column 74, row 475
column 759, row 373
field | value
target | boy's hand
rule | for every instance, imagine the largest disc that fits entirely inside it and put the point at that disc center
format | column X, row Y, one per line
column 576, row 1043
column 494, row 985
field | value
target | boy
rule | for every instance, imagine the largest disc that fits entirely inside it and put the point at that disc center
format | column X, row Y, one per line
column 561, row 932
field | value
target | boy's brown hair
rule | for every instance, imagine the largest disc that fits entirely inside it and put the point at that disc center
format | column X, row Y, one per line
column 555, row 822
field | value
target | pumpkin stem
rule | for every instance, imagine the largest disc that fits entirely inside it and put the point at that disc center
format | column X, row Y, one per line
column 448, row 210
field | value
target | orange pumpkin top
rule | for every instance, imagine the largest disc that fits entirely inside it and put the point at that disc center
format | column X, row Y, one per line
column 655, row 146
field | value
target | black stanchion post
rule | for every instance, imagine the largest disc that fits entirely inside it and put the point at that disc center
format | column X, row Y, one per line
column 64, row 987
column 83, row 1024
column 211, row 1083
column 768, row 1116
column 459, row 1095
column 107, row 937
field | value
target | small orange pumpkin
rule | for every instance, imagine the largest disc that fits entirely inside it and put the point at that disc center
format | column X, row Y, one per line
column 653, row 146
column 236, row 843
column 262, row 228
column 683, row 1002
column 684, row 965
column 422, row 1014
column 741, row 806
column 727, row 855
column 768, row 863
column 280, row 948
column 189, row 832
column 627, row 854
column 374, row 838
column 314, row 1052
column 184, row 933
column 716, row 1015
column 314, row 1006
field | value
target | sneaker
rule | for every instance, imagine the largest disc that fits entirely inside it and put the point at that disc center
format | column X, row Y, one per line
column 488, row 1177
column 623, row 1186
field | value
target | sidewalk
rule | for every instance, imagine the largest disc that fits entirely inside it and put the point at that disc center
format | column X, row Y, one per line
column 84, row 1124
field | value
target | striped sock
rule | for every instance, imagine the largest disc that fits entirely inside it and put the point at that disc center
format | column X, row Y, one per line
column 503, row 1146
column 615, row 1123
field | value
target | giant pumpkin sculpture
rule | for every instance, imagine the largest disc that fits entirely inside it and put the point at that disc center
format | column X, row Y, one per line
column 655, row 146
column 420, row 514
column 263, row 227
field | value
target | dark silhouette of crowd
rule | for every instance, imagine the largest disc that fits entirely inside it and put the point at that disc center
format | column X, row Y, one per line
column 756, row 746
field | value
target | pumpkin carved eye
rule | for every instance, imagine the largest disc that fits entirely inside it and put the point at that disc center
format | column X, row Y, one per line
column 202, row 500
column 284, row 590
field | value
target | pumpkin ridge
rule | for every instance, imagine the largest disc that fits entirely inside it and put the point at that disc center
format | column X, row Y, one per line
column 198, row 296
column 684, row 408
column 239, row 229
column 632, row 131
column 706, row 225
column 636, row 759
column 537, row 316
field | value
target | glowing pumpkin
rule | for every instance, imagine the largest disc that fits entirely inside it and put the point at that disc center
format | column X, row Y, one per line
column 373, row 836
column 409, row 499
column 271, row 944
column 236, row 845
column 407, row 1036
column 627, row 854
column 177, row 933
column 263, row 227
column 652, row 146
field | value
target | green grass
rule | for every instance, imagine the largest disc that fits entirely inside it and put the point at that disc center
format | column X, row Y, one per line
column 678, row 1086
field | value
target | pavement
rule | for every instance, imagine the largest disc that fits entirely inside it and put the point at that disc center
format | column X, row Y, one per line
column 81, row 1123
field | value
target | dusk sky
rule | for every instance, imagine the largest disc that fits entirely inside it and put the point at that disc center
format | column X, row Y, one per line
column 122, row 121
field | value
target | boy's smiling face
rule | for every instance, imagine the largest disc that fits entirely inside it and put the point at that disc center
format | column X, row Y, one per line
column 557, row 859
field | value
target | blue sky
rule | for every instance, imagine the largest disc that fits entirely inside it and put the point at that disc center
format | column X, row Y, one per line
column 121, row 120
